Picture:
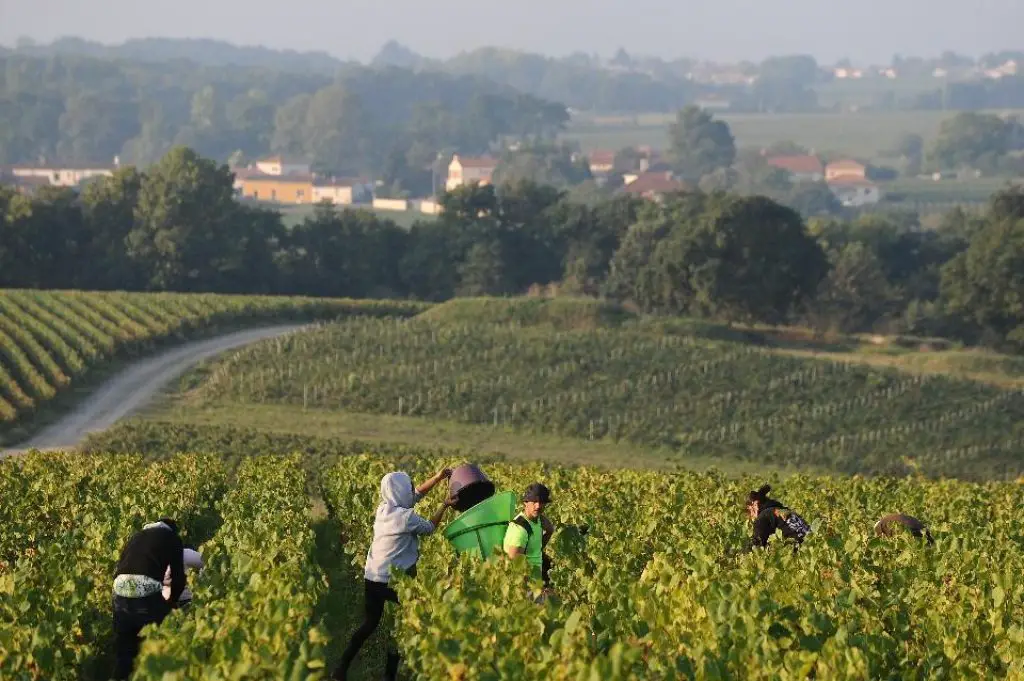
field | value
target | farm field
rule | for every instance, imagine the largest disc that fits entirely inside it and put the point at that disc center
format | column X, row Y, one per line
column 863, row 135
column 706, row 400
column 54, row 342
column 656, row 588
column 293, row 215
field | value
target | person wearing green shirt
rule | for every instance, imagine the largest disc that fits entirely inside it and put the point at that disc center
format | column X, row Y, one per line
column 529, row 532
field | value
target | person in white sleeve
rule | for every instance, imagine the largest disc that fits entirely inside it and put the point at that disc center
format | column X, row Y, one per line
column 193, row 561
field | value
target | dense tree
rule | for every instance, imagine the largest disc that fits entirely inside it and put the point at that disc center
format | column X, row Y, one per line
column 974, row 140
column 699, row 144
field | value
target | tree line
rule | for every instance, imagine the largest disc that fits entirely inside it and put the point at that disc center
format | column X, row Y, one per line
column 386, row 122
column 178, row 227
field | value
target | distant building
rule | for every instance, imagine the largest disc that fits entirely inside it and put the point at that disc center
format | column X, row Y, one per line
column 854, row 191
column 466, row 170
column 844, row 169
column 281, row 165
column 804, row 168
column 601, row 162
column 62, row 175
column 290, row 189
column 342, row 191
column 653, row 185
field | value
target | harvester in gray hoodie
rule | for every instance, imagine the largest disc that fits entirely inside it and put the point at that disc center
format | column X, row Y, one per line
column 396, row 532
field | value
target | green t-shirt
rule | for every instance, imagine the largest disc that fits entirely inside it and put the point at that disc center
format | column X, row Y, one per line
column 533, row 543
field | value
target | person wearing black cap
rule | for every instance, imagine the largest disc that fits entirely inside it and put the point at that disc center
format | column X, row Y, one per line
column 769, row 516
column 138, row 587
column 529, row 532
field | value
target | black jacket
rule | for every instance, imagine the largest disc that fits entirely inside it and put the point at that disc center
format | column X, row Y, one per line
column 774, row 516
column 150, row 552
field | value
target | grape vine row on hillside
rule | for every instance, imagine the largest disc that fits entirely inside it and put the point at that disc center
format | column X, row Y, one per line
column 698, row 397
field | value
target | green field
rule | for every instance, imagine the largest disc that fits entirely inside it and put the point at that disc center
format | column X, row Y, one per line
column 293, row 215
column 861, row 135
column 54, row 342
column 628, row 385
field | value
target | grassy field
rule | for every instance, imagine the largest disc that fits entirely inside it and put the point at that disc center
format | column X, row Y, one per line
column 293, row 215
column 863, row 135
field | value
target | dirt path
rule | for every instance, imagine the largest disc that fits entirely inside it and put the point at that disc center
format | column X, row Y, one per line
column 135, row 386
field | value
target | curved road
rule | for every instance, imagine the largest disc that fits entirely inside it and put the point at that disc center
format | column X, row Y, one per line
column 135, row 386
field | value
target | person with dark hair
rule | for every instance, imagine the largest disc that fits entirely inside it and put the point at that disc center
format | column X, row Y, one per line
column 529, row 532
column 769, row 516
column 138, row 597
column 887, row 525
column 396, row 532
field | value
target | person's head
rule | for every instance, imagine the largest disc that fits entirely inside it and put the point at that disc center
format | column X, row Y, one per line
column 757, row 500
column 169, row 523
column 396, row 489
column 535, row 499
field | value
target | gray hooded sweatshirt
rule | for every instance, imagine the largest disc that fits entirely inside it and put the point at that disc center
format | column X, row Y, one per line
column 396, row 529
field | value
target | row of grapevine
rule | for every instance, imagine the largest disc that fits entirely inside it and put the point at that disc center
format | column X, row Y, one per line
column 656, row 589
column 48, row 339
column 699, row 398
column 55, row 591
column 252, row 615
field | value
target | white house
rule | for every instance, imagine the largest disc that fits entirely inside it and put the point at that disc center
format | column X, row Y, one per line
column 342, row 192
column 855, row 191
column 62, row 175
column 279, row 165
column 467, row 170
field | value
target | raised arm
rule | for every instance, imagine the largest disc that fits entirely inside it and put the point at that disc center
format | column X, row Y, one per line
column 428, row 485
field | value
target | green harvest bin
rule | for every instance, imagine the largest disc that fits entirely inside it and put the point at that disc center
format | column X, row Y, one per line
column 481, row 528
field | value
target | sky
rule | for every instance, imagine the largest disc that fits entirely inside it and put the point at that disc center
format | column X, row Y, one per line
column 721, row 30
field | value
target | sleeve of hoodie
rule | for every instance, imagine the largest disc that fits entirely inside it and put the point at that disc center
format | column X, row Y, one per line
column 419, row 525
column 177, row 566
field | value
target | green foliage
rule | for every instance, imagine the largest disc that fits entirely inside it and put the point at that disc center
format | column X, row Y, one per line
column 699, row 398
column 557, row 313
column 657, row 589
column 49, row 341
column 55, row 594
column 699, row 144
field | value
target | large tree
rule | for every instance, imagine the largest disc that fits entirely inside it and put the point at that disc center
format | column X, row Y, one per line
column 699, row 144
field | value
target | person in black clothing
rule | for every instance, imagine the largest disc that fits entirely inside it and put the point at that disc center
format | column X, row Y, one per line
column 769, row 516
column 887, row 524
column 138, row 587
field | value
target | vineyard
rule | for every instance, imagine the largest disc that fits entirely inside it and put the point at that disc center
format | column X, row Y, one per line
column 655, row 589
column 51, row 340
column 693, row 396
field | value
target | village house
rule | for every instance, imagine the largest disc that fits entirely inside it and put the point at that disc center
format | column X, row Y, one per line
column 855, row 191
column 845, row 169
column 292, row 189
column 653, row 185
column 466, row 170
column 342, row 191
column 601, row 162
column 63, row 175
column 281, row 165
column 803, row 168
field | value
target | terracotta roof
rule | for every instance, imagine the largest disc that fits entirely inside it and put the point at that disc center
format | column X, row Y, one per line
column 657, row 183
column 476, row 161
column 601, row 157
column 798, row 164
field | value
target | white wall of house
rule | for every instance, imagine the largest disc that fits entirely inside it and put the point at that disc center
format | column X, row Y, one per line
column 61, row 177
column 391, row 204
column 340, row 195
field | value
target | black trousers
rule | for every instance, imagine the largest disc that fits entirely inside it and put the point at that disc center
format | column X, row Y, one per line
column 130, row 615
column 375, row 596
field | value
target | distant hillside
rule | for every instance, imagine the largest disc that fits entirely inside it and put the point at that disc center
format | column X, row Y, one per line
column 202, row 50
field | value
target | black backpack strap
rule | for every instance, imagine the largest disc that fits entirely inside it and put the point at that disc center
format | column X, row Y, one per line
column 525, row 524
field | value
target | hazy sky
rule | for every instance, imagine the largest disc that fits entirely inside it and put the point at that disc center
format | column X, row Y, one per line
column 711, row 29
